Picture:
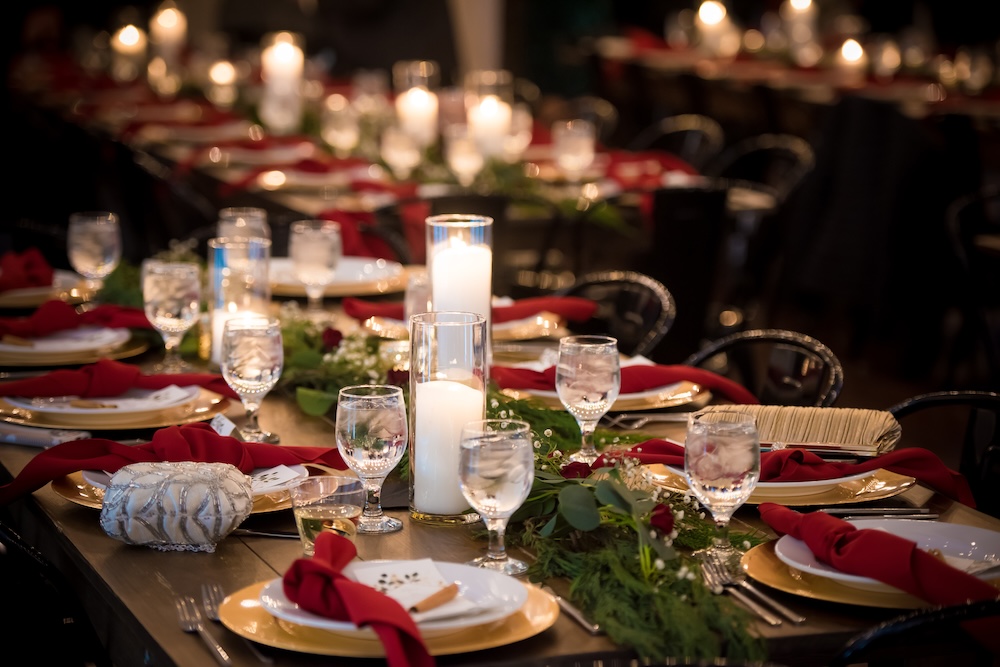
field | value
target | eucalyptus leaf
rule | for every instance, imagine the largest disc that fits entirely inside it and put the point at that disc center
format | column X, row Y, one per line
column 304, row 358
column 314, row 402
column 578, row 506
column 608, row 493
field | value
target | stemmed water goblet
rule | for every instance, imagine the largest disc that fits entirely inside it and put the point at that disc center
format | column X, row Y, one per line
column 573, row 145
column 315, row 248
column 252, row 359
column 171, row 296
column 496, row 471
column 94, row 245
column 588, row 379
column 372, row 435
column 400, row 151
column 722, row 466
column 462, row 154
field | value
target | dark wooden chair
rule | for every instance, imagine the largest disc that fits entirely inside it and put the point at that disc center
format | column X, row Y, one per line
column 695, row 138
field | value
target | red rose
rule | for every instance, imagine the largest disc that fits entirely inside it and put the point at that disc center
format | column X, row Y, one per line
column 662, row 518
column 331, row 339
column 575, row 470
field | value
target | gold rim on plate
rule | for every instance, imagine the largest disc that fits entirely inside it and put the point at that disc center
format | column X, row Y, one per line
column 205, row 406
column 878, row 485
column 72, row 294
column 542, row 325
column 76, row 489
column 671, row 396
column 133, row 346
column 244, row 615
column 385, row 285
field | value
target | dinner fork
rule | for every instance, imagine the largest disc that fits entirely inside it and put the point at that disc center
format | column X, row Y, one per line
column 728, row 577
column 190, row 619
column 212, row 596
column 634, row 422
column 711, row 574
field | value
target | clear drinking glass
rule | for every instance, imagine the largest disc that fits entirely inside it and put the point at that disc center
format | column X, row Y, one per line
column 573, row 144
column 315, row 249
column 252, row 359
column 372, row 436
column 400, row 151
column 326, row 503
column 588, row 379
column 722, row 466
column 94, row 245
column 340, row 125
column 496, row 471
column 171, row 295
column 243, row 222
column 462, row 154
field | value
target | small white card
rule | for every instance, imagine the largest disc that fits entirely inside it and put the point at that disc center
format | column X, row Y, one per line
column 409, row 582
column 272, row 479
column 222, row 424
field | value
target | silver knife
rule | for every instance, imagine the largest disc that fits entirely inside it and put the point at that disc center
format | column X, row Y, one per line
column 573, row 612
column 878, row 511
column 250, row 532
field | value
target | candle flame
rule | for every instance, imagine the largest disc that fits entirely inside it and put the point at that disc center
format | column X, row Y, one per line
column 800, row 5
column 222, row 73
column 129, row 35
column 169, row 18
column 711, row 12
column 851, row 51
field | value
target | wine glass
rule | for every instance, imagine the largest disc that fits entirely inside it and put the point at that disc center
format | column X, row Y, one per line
column 495, row 472
column 722, row 466
column 462, row 154
column 340, row 125
column 242, row 222
column 252, row 358
column 94, row 245
column 573, row 143
column 372, row 436
column 588, row 379
column 171, row 295
column 315, row 248
column 400, row 151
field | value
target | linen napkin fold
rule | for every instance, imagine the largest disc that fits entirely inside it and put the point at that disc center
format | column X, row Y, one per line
column 24, row 269
column 318, row 585
column 106, row 378
column 356, row 235
column 54, row 316
column 190, row 442
column 788, row 465
column 636, row 378
column 572, row 308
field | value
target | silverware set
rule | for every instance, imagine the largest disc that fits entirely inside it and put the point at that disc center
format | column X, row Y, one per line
column 720, row 579
column 190, row 620
column 212, row 596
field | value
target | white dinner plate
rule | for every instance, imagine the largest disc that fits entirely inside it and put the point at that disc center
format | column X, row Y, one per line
column 497, row 594
column 354, row 275
column 795, row 489
column 132, row 401
column 100, row 479
column 959, row 545
column 80, row 339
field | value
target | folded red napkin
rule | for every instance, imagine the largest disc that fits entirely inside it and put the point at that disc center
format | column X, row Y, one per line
column 55, row 315
column 305, row 165
column 107, row 378
column 182, row 167
column 357, row 236
column 573, row 308
column 788, row 465
column 25, row 269
column 640, row 377
column 318, row 585
column 190, row 442
column 880, row 555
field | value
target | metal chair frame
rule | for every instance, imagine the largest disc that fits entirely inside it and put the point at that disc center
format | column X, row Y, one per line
column 700, row 138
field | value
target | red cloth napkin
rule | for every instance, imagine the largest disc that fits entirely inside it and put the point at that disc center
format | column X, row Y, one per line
column 357, row 237
column 305, row 165
column 880, row 555
column 262, row 144
column 634, row 379
column 25, row 269
column 573, row 308
column 788, row 465
column 107, row 378
column 190, row 442
column 55, row 315
column 318, row 585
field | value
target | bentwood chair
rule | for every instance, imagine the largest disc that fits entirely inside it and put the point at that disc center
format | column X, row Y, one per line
column 978, row 415
column 778, row 366
column 694, row 138
column 632, row 307
column 778, row 161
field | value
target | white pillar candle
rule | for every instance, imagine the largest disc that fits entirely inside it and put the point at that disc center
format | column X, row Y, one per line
column 281, row 66
column 462, row 279
column 168, row 33
column 444, row 407
column 489, row 123
column 128, row 46
column 852, row 63
column 219, row 319
column 417, row 111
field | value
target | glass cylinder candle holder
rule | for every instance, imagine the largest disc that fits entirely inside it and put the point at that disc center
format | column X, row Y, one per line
column 282, row 61
column 167, row 38
column 416, row 82
column 448, row 378
column 239, row 283
column 489, row 100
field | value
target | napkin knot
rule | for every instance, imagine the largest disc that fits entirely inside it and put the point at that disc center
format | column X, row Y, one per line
column 25, row 269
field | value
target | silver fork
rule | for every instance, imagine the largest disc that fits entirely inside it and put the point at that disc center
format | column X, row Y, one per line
column 633, row 422
column 713, row 579
column 729, row 578
column 212, row 596
column 190, row 618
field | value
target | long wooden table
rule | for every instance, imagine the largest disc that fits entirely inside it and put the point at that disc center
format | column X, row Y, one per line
column 128, row 591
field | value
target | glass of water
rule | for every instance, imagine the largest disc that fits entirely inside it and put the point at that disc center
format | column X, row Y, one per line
column 573, row 144
column 94, row 245
column 722, row 466
column 371, row 436
column 252, row 359
column 588, row 379
column 171, row 295
column 327, row 503
column 315, row 248
column 496, row 471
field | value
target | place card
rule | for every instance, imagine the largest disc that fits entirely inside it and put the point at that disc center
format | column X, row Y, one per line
column 272, row 479
column 409, row 582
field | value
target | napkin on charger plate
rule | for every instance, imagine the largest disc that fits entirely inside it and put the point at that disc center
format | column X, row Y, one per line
column 55, row 315
column 191, row 442
column 319, row 586
column 798, row 465
column 572, row 308
column 24, row 269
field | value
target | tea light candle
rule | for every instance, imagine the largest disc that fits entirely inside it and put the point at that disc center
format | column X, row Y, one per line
column 445, row 406
column 417, row 110
column 490, row 122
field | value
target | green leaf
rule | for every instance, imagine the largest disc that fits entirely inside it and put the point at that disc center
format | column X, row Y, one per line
column 314, row 402
column 549, row 526
column 578, row 507
column 607, row 493
column 304, row 358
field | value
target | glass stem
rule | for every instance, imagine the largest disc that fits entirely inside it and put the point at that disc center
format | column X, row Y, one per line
column 171, row 345
column 721, row 537
column 587, row 443
column 251, row 408
column 373, row 498
column 497, row 528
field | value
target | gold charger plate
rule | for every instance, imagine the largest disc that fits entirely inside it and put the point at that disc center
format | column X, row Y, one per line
column 542, row 325
column 205, row 406
column 133, row 346
column 65, row 286
column 681, row 394
column 243, row 614
column 76, row 489
column 283, row 284
column 877, row 486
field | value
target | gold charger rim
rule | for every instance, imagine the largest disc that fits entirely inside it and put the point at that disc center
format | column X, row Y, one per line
column 205, row 406
column 889, row 484
column 542, row 325
column 388, row 285
column 243, row 614
column 135, row 345
column 72, row 294
column 685, row 394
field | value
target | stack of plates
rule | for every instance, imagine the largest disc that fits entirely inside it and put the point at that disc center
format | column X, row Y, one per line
column 83, row 345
